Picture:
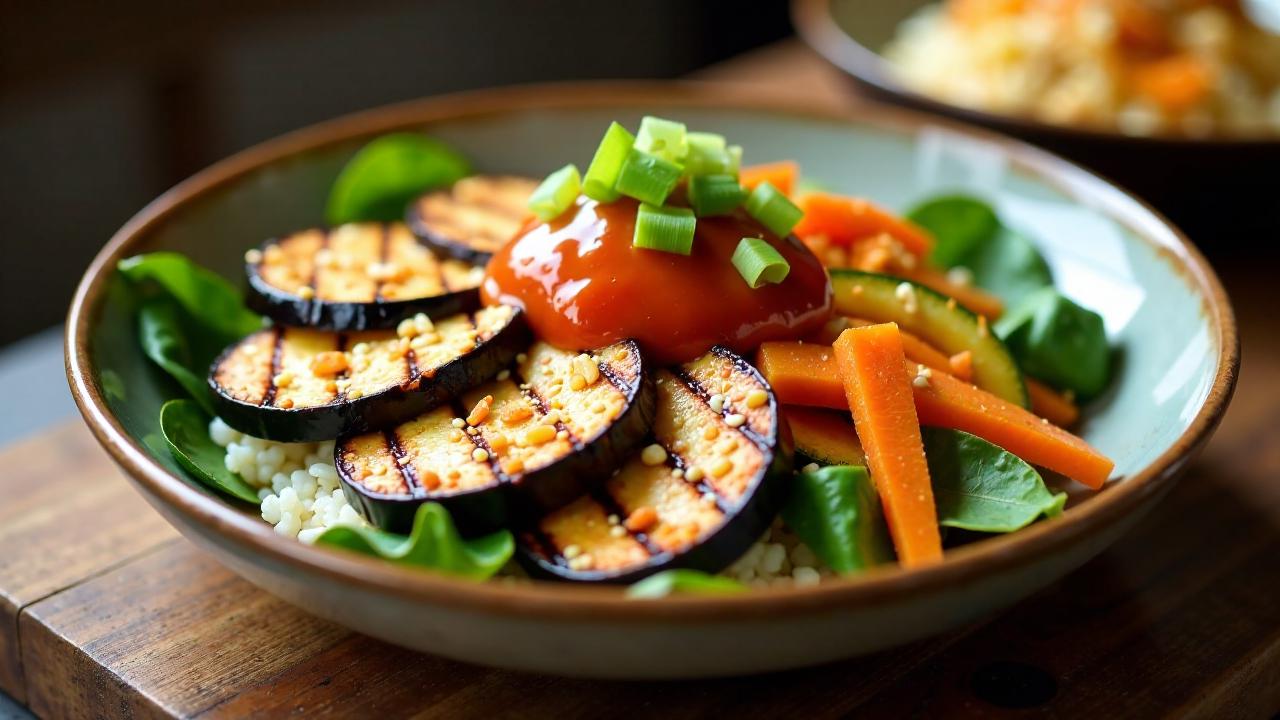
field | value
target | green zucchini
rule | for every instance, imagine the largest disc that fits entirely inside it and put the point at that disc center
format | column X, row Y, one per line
column 944, row 324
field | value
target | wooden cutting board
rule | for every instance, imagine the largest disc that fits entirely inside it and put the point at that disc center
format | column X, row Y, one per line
column 105, row 611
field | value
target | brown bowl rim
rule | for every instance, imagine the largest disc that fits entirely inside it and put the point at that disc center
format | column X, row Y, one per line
column 816, row 25
column 558, row 601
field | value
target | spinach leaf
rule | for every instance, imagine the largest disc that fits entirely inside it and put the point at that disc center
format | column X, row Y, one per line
column 433, row 543
column 1058, row 341
column 836, row 512
column 672, row 582
column 164, row 339
column 958, row 224
column 982, row 487
column 968, row 233
column 205, row 296
column 186, row 431
column 385, row 175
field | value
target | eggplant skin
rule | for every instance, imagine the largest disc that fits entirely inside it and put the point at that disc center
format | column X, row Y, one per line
column 526, row 496
column 492, row 210
column 383, row 409
column 741, row 528
column 290, row 309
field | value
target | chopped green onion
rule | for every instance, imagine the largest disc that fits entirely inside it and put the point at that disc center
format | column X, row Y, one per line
column 759, row 262
column 669, row 229
column 715, row 194
column 664, row 138
column 735, row 159
column 647, row 178
column 606, row 165
column 707, row 155
column 773, row 209
column 556, row 193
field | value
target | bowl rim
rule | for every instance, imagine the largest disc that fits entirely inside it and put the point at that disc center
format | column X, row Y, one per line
column 551, row 601
column 816, row 25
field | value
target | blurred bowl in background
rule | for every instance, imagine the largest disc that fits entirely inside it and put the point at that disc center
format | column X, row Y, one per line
column 1218, row 188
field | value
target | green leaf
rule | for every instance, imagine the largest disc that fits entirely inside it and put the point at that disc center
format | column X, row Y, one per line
column 1059, row 342
column 958, row 224
column 385, row 175
column 969, row 234
column 204, row 295
column 186, row 431
column 979, row 486
column 433, row 543
column 836, row 512
column 692, row 582
column 164, row 339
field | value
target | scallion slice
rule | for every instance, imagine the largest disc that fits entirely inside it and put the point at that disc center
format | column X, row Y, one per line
column 664, row 138
column 669, row 229
column 606, row 165
column 715, row 194
column 773, row 209
column 735, row 159
column 759, row 262
column 556, row 193
column 647, row 178
column 707, row 155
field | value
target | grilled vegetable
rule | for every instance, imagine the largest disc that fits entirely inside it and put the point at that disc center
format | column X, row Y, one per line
column 824, row 437
column 359, row 276
column 474, row 218
column 698, row 497
column 295, row 384
column 542, row 433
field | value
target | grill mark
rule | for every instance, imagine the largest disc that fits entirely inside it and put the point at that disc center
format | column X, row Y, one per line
column 277, row 346
column 313, row 282
column 438, row 264
column 540, row 404
column 478, row 441
column 703, row 487
column 403, row 465
column 702, row 394
column 611, row 507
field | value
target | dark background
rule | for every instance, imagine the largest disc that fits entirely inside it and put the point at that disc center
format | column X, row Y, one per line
column 105, row 105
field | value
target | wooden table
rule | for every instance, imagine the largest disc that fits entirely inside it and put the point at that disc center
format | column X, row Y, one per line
column 104, row 610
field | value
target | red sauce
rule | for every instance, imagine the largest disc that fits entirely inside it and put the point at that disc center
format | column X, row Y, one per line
column 583, row 285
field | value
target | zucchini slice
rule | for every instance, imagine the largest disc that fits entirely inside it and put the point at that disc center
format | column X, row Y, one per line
column 474, row 218
column 937, row 319
column 542, row 433
column 824, row 437
column 297, row 384
column 701, row 502
column 359, row 276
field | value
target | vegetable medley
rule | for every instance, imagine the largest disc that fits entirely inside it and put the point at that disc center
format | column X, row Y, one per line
column 465, row 371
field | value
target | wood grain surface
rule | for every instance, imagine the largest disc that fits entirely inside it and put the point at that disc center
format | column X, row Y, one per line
column 105, row 612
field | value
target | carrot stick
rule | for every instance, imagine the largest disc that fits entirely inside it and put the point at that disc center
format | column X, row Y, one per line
column 806, row 374
column 845, row 220
column 972, row 298
column 879, row 396
column 1051, row 404
column 916, row 349
column 782, row 175
column 961, row 365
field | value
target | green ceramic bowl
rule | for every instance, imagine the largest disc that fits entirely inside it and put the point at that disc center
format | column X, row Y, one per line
column 1164, row 310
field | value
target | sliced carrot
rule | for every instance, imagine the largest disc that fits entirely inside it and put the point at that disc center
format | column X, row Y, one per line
column 782, row 175
column 1051, row 404
column 917, row 350
column 1174, row 83
column 961, row 365
column 973, row 298
column 806, row 374
column 884, row 414
column 845, row 220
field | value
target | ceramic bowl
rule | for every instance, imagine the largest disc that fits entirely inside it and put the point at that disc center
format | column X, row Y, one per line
column 1164, row 310
column 1172, row 172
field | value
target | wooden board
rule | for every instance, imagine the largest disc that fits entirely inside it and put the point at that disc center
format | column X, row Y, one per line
column 104, row 611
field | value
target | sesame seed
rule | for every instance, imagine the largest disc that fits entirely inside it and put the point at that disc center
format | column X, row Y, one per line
column 355, row 394
column 735, row 420
column 906, row 294
column 654, row 454
column 480, row 455
column 811, row 467
column 253, row 257
column 960, row 275
column 459, row 423
column 540, row 434
column 473, row 431
column 757, row 398
column 721, row 467
column 618, row 531
column 504, row 375
column 613, row 519
column 694, row 474
column 571, row 551
column 562, row 435
column 522, row 357
column 716, row 402
column 708, row 499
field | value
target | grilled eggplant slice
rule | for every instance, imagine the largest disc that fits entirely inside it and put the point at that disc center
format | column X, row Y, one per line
column 359, row 276
column 698, row 500
column 536, row 437
column 297, row 384
column 474, row 218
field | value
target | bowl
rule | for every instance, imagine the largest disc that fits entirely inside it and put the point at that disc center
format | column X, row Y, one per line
column 1163, row 307
column 1218, row 188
